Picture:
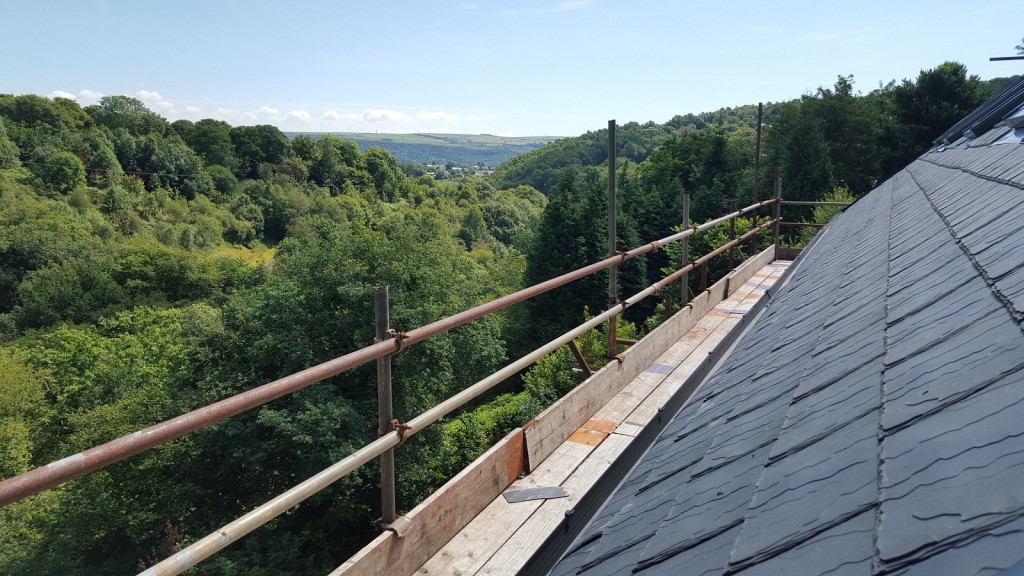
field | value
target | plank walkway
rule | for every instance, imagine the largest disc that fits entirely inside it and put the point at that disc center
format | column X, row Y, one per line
column 504, row 536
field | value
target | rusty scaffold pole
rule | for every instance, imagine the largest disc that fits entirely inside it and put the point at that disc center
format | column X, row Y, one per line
column 732, row 236
column 776, row 211
column 613, row 276
column 385, row 412
column 685, row 251
column 757, row 175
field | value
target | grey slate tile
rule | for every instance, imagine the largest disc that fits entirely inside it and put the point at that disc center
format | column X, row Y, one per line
column 990, row 554
column 811, row 491
column 823, row 412
column 940, row 374
column 1011, row 287
column 968, row 315
column 845, row 550
column 954, row 473
column 711, row 503
column 705, row 559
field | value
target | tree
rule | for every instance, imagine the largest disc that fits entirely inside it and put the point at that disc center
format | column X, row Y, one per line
column 305, row 148
column 1020, row 47
column 335, row 162
column 59, row 170
column 130, row 114
column 8, row 150
column 97, row 153
column 387, row 177
column 572, row 233
column 211, row 141
column 924, row 109
column 257, row 145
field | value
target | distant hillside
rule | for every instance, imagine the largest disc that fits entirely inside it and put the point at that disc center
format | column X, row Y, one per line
column 466, row 149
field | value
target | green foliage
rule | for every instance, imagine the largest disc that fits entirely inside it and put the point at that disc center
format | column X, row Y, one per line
column 22, row 389
column 128, row 114
column 543, row 168
column 924, row 109
column 385, row 174
column 115, row 313
column 8, row 150
column 58, row 170
column 822, row 214
column 256, row 146
column 572, row 234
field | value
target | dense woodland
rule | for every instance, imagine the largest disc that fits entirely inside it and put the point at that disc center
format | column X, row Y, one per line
column 150, row 267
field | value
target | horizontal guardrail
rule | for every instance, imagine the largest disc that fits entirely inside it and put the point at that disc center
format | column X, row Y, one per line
column 226, row 535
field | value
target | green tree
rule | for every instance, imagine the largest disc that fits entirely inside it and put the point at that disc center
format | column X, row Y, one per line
column 386, row 176
column 258, row 145
column 100, row 159
column 130, row 114
column 572, row 233
column 58, row 170
column 211, row 141
column 8, row 150
column 335, row 163
column 924, row 109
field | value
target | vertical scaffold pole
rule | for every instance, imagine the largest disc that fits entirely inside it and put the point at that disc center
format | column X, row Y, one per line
column 757, row 177
column 776, row 211
column 613, row 292
column 732, row 236
column 382, row 317
column 686, row 251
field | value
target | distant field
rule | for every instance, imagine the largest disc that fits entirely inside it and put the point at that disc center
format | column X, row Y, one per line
column 466, row 149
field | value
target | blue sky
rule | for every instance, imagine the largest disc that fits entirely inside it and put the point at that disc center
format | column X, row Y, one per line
column 526, row 67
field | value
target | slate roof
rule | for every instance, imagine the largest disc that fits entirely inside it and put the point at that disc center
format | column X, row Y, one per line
column 871, row 421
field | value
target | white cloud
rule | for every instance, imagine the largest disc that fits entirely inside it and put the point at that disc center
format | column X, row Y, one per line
column 378, row 114
column 193, row 109
column 297, row 114
column 154, row 100
column 84, row 97
column 89, row 96
column 443, row 116
column 478, row 118
column 269, row 110
column 338, row 116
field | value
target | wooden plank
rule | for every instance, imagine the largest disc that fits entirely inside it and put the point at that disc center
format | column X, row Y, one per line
column 561, row 419
column 646, row 411
column 755, row 287
column 637, row 391
column 744, row 271
column 443, row 514
column 467, row 552
column 511, row 556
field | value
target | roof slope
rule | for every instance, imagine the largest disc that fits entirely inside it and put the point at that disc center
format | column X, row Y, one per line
column 872, row 419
